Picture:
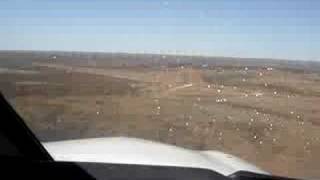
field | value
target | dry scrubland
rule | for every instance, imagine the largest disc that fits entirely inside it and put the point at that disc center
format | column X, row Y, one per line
column 268, row 115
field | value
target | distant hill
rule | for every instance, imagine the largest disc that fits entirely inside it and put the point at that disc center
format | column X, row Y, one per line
column 25, row 58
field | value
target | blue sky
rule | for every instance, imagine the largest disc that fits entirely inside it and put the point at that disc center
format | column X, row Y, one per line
column 287, row 29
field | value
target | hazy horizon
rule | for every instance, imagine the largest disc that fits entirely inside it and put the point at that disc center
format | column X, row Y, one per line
column 167, row 54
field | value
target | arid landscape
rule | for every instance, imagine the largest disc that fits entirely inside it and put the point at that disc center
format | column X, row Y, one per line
column 262, row 110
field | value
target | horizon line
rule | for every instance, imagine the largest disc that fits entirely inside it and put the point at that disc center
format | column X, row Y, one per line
column 165, row 53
